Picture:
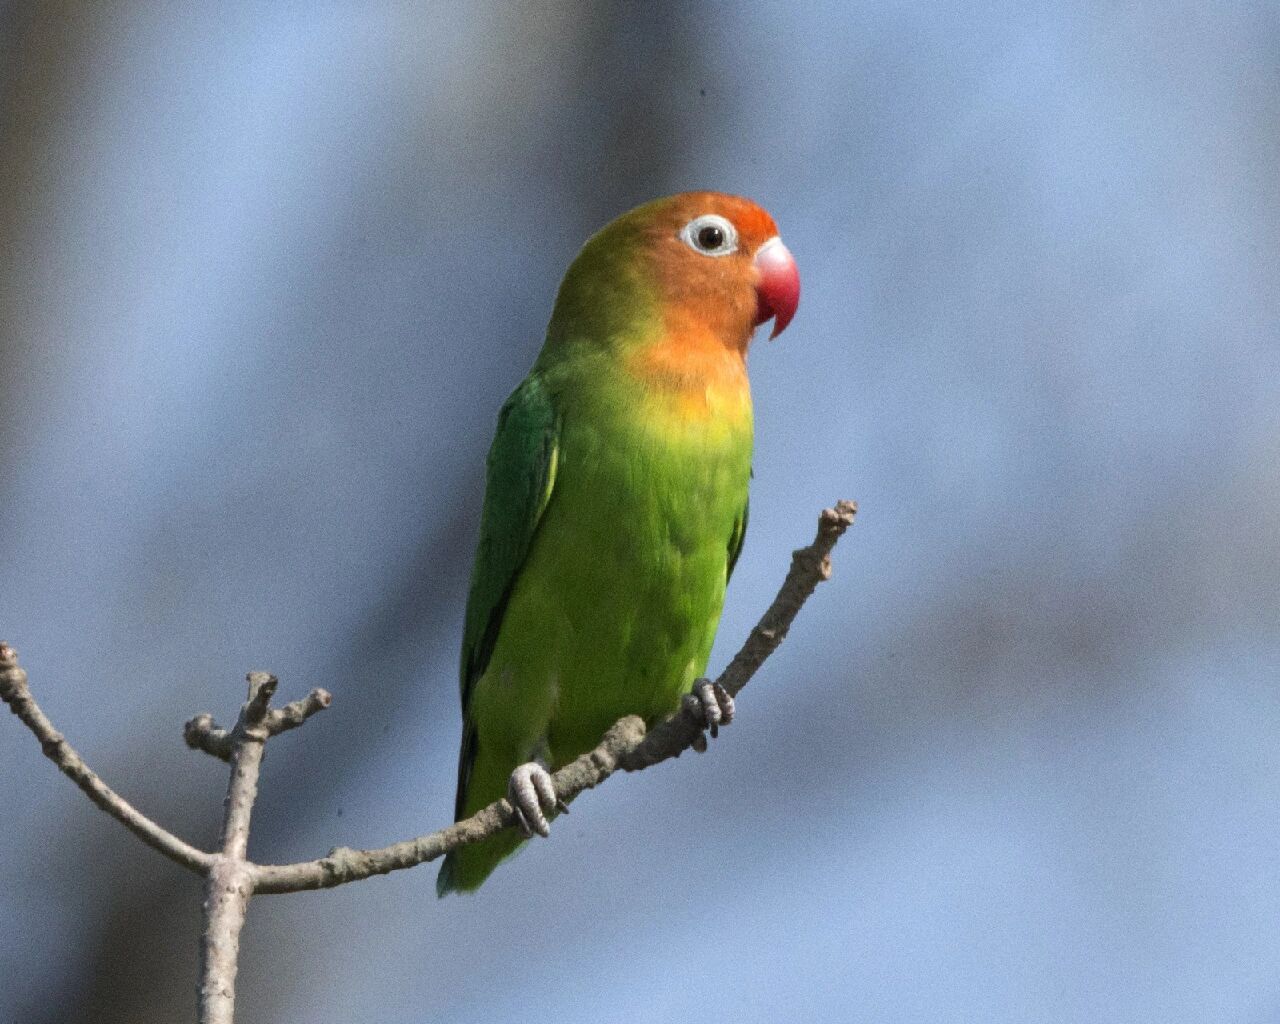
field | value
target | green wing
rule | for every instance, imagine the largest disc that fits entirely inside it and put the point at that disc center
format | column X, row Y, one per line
column 521, row 476
column 735, row 540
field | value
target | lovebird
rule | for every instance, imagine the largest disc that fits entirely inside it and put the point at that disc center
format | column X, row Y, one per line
column 615, row 504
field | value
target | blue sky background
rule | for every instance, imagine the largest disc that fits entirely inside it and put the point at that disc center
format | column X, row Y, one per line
column 268, row 272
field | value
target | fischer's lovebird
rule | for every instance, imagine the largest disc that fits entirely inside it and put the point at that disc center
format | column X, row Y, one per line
column 616, row 503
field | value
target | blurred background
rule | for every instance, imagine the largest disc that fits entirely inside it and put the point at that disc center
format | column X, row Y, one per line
column 267, row 272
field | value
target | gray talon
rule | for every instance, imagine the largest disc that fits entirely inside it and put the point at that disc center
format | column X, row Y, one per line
column 713, row 703
column 533, row 796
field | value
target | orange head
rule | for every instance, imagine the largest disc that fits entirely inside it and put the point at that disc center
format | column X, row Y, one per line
column 701, row 265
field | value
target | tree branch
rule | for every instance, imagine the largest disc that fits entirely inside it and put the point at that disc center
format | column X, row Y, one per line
column 625, row 746
column 15, row 693
column 230, row 882
column 203, row 733
column 296, row 712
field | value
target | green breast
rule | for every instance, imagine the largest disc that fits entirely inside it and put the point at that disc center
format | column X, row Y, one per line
column 617, row 607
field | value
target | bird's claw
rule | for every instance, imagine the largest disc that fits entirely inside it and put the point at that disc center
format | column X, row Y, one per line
column 712, row 703
column 533, row 796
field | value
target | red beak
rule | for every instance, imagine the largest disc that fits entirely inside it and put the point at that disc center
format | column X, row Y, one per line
column 778, row 289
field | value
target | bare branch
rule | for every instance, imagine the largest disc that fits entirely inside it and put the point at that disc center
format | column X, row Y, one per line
column 230, row 882
column 15, row 693
column 625, row 746
column 296, row 712
column 203, row 733
column 262, row 687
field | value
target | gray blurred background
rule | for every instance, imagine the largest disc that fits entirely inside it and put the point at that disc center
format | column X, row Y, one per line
column 267, row 272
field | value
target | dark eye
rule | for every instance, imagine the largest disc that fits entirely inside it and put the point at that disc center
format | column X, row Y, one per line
column 710, row 235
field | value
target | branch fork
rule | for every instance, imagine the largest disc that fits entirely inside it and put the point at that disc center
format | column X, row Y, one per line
column 202, row 733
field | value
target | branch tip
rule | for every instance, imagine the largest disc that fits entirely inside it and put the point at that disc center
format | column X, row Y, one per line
column 203, row 733
column 13, row 677
column 262, row 687
column 840, row 516
column 296, row 712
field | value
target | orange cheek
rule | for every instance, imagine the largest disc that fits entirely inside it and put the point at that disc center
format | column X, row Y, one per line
column 699, row 296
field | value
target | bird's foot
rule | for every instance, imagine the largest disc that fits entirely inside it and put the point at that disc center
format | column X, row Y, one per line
column 712, row 703
column 533, row 796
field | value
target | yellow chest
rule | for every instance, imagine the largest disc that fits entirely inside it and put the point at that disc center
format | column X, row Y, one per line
column 694, row 382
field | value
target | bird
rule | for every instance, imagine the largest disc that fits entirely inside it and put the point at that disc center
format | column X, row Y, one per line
column 615, row 504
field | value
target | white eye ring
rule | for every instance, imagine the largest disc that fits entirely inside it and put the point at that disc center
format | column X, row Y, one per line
column 710, row 235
